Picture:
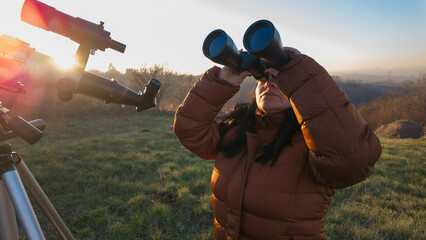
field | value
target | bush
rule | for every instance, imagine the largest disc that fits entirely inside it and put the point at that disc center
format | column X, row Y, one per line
column 407, row 102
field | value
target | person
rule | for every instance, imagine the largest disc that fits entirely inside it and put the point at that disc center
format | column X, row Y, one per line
column 278, row 159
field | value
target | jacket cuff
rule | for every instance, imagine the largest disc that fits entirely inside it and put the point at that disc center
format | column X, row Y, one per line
column 294, row 74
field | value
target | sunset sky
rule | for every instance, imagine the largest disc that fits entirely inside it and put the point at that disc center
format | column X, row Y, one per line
column 340, row 35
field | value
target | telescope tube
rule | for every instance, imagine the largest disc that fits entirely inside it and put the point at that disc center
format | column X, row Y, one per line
column 79, row 30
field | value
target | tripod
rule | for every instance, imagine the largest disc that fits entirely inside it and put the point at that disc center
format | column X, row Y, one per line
column 13, row 196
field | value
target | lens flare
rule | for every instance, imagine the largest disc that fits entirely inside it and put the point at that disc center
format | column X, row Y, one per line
column 13, row 54
column 24, row 70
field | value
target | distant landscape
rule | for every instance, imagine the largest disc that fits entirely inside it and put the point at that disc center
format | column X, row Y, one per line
column 387, row 76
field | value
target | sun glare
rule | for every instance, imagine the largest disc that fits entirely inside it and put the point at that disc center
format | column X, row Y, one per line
column 64, row 62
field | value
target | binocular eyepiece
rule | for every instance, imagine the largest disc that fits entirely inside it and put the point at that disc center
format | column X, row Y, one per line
column 263, row 44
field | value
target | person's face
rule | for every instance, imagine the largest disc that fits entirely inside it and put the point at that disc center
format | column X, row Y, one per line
column 270, row 99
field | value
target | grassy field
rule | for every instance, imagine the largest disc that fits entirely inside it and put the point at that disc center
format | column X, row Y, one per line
column 128, row 177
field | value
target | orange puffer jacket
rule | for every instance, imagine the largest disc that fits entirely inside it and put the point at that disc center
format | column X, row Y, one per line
column 290, row 199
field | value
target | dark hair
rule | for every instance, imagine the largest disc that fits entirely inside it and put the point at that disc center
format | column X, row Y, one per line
column 243, row 118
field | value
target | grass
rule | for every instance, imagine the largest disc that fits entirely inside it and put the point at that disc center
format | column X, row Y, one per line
column 128, row 177
column 390, row 204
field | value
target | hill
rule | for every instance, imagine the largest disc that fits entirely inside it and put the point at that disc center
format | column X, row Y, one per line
column 360, row 93
column 381, row 75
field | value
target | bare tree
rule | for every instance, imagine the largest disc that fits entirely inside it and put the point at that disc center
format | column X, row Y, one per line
column 142, row 75
column 182, row 86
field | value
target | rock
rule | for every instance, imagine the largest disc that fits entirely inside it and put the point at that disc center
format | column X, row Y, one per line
column 400, row 129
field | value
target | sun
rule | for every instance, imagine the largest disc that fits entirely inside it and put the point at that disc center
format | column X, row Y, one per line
column 64, row 61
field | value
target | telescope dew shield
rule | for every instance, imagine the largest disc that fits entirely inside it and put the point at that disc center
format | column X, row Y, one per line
column 263, row 41
column 79, row 30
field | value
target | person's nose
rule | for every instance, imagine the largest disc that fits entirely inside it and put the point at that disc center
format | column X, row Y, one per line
column 270, row 84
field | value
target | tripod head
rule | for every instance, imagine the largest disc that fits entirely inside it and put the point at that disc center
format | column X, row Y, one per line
column 17, row 126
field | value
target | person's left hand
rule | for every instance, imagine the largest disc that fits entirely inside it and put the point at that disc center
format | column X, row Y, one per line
column 233, row 76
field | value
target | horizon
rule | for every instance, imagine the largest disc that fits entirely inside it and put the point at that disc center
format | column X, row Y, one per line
column 341, row 36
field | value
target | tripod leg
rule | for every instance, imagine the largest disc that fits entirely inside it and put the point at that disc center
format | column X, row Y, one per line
column 37, row 192
column 8, row 226
column 22, row 204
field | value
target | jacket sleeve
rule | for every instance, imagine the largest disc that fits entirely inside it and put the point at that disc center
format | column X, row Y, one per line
column 194, row 123
column 343, row 149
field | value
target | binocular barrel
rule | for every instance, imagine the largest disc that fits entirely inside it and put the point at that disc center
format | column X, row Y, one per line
column 263, row 44
column 263, row 41
column 79, row 30
column 219, row 47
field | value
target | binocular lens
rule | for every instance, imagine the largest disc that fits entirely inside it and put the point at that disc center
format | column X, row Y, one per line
column 215, row 43
column 216, row 46
column 260, row 38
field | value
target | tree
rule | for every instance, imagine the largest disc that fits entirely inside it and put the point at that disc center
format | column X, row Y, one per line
column 408, row 102
column 142, row 75
column 182, row 87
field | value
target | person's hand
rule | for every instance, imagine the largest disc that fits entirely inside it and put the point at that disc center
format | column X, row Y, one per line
column 292, row 52
column 232, row 76
column 273, row 72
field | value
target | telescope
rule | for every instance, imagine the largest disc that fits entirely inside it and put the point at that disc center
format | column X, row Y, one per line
column 262, row 42
column 90, row 37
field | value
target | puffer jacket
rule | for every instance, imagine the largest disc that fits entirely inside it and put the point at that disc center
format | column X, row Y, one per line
column 289, row 200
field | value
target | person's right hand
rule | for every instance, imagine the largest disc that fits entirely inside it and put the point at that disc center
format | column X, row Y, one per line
column 232, row 76
column 292, row 52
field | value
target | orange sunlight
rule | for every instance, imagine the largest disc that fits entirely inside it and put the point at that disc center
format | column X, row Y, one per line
column 22, row 70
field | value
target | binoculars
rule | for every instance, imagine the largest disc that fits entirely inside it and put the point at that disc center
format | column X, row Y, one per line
column 263, row 44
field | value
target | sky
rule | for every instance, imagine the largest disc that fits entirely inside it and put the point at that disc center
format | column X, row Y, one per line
column 340, row 35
